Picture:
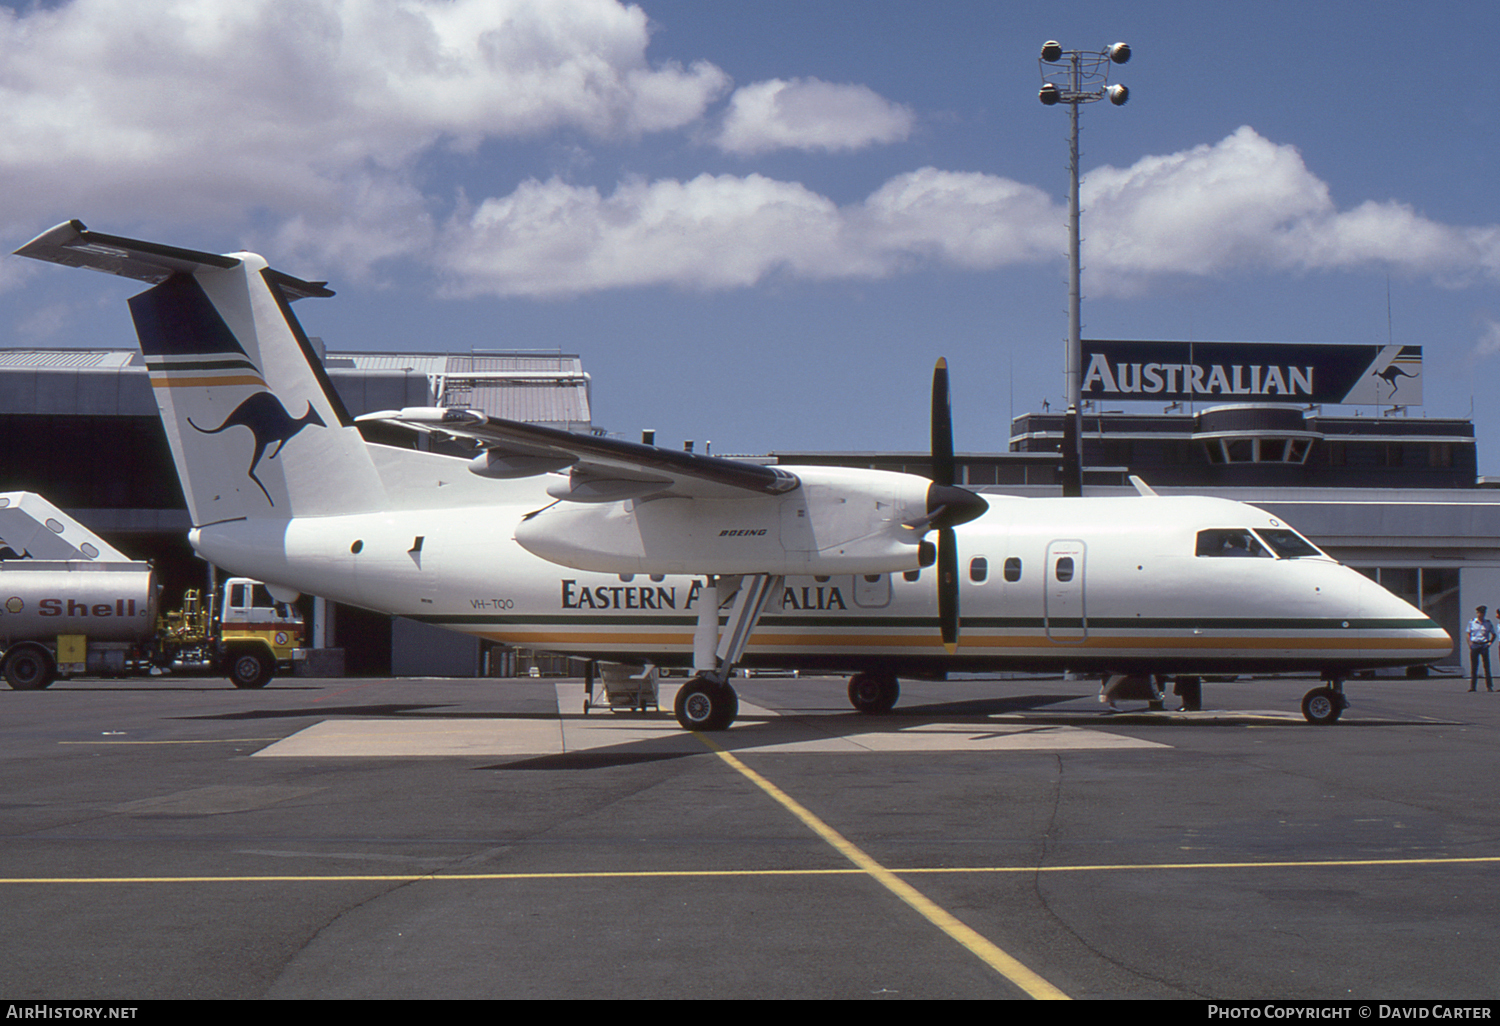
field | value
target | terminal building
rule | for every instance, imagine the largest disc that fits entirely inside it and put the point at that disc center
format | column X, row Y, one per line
column 1395, row 496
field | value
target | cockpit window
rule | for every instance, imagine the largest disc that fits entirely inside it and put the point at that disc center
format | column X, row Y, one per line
column 1230, row 541
column 1286, row 543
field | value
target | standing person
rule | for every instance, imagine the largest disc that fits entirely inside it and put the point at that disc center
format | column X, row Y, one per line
column 1481, row 636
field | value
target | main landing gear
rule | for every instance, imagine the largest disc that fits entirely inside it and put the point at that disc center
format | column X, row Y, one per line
column 706, row 704
column 874, row 693
column 707, row 701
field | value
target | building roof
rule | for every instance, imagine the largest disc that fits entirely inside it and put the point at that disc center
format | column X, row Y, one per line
column 539, row 388
column 66, row 358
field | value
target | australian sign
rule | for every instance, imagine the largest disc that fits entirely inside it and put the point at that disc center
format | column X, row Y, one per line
column 1252, row 372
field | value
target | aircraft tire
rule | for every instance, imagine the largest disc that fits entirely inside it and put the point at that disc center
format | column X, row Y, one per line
column 874, row 693
column 1322, row 706
column 706, row 705
column 29, row 668
column 250, row 669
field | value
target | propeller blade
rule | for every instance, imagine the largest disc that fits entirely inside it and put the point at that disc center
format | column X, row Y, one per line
column 947, row 560
column 942, row 426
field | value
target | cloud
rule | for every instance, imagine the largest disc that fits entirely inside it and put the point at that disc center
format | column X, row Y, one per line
column 713, row 232
column 1246, row 204
column 1243, row 205
column 807, row 114
column 312, row 128
column 206, row 110
column 959, row 219
column 1488, row 343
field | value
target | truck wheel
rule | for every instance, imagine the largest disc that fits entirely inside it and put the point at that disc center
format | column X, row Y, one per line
column 250, row 669
column 29, row 669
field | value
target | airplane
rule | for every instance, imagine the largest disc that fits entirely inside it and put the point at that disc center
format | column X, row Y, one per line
column 647, row 558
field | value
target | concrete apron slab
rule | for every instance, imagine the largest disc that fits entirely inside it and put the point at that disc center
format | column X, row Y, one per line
column 499, row 737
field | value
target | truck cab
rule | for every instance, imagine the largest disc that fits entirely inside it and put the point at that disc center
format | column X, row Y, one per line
column 257, row 634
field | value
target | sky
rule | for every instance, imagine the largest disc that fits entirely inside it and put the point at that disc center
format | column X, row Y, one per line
column 760, row 222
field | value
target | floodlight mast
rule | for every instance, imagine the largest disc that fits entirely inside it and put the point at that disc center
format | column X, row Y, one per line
column 1075, row 77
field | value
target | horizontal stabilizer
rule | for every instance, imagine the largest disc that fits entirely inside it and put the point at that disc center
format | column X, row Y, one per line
column 73, row 245
column 517, row 449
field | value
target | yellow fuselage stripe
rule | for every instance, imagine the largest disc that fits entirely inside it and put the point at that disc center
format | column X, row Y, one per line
column 771, row 639
column 162, row 381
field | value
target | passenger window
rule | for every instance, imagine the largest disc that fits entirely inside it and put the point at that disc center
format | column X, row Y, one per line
column 1013, row 569
column 912, row 575
column 979, row 569
column 1231, row 541
column 1065, row 568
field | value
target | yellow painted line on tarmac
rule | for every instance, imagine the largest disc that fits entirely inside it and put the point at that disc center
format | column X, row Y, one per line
column 688, row 874
column 608, row 874
column 978, row 945
column 1154, row 866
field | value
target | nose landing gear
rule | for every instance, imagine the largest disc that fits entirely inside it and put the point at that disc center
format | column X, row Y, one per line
column 1323, row 705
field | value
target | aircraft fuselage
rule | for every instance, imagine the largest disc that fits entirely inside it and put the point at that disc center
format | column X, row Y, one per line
column 1097, row 585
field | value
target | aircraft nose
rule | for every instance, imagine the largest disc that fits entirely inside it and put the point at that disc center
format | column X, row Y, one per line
column 948, row 506
column 1381, row 604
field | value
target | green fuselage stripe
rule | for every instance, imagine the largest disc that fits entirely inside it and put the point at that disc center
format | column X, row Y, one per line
column 856, row 621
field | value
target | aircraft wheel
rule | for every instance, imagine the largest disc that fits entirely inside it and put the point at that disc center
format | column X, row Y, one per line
column 250, row 669
column 706, row 705
column 28, row 669
column 1322, row 705
column 874, row 693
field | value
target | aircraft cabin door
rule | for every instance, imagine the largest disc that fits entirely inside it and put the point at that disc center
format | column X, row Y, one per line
column 1063, row 605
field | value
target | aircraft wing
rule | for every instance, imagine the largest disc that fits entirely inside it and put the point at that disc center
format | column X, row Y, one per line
column 600, row 469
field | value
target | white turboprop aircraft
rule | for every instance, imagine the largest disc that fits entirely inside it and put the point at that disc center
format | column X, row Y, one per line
column 575, row 544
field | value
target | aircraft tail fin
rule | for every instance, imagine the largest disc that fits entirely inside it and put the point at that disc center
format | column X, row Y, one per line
column 255, row 426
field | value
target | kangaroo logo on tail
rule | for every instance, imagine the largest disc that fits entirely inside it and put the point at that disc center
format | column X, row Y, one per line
column 269, row 422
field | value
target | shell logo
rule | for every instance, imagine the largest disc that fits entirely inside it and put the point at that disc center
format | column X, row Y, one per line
column 14, row 604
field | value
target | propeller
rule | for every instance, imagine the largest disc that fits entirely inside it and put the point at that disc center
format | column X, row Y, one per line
column 947, row 506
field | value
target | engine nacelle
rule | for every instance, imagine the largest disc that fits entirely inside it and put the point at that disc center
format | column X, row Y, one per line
column 839, row 521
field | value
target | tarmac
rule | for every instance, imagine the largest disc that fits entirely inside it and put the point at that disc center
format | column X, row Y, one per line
column 171, row 838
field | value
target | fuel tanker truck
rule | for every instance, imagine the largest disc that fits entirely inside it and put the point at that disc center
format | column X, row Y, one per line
column 71, row 604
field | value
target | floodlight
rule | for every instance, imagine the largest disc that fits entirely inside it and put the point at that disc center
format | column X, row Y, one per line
column 1073, row 78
